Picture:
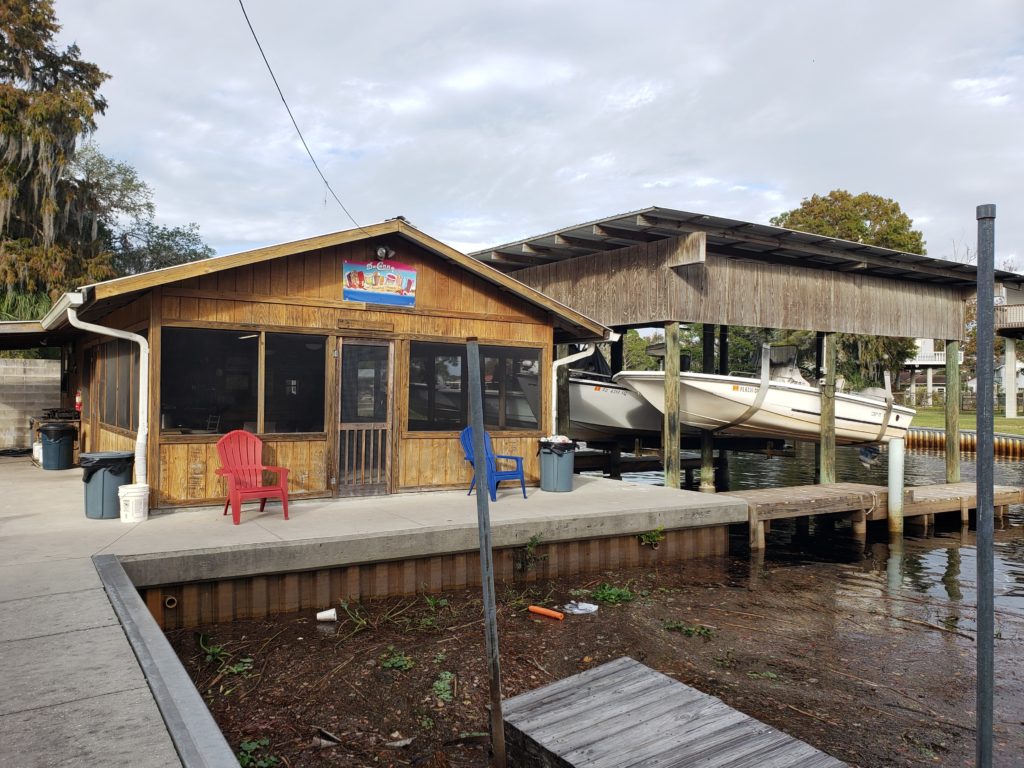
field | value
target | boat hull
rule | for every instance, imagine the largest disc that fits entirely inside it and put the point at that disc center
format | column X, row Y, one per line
column 788, row 411
column 602, row 410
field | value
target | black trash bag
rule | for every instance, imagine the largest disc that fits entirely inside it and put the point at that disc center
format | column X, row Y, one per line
column 116, row 461
column 559, row 448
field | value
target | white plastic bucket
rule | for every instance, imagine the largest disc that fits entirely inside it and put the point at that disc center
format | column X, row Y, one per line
column 37, row 452
column 134, row 500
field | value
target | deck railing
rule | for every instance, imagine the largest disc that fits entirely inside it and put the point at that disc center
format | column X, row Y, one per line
column 931, row 358
column 1010, row 316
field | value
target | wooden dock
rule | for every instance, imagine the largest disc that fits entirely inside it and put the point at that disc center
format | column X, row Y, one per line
column 624, row 714
column 865, row 502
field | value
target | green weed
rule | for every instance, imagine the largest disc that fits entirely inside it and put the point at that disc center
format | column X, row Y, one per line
column 652, row 538
column 527, row 557
column 612, row 595
column 395, row 659
column 252, row 754
column 443, row 687
column 690, row 630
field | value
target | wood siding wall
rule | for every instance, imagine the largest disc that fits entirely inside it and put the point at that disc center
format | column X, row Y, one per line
column 634, row 286
column 302, row 293
column 188, row 605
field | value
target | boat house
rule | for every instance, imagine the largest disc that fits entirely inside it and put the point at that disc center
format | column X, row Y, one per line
column 345, row 353
column 662, row 267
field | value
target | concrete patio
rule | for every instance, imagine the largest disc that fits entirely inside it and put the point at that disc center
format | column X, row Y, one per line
column 76, row 694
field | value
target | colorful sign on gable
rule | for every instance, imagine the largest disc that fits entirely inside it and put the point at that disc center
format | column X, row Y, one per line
column 379, row 282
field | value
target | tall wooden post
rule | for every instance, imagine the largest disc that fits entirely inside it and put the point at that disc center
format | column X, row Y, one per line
column 953, row 411
column 618, row 354
column 707, row 445
column 561, row 394
column 670, row 428
column 723, row 350
column 827, row 461
column 708, row 349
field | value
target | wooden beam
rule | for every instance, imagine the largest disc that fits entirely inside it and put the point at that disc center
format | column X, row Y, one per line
column 708, row 348
column 723, row 350
column 953, row 411
column 689, row 250
column 670, row 428
column 827, row 467
column 618, row 233
column 562, row 392
column 585, row 244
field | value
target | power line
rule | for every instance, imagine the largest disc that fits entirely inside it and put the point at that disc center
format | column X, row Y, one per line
column 294, row 123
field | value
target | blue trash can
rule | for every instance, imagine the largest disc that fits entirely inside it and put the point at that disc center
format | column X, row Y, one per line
column 103, row 472
column 58, row 445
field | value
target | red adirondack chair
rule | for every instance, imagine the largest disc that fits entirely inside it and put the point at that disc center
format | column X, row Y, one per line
column 241, row 459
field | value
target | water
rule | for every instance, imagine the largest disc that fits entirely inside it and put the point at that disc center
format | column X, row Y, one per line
column 940, row 566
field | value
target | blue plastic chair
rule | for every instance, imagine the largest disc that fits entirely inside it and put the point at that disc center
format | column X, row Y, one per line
column 494, row 475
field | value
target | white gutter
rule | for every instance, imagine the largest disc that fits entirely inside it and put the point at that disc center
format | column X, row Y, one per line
column 587, row 351
column 75, row 300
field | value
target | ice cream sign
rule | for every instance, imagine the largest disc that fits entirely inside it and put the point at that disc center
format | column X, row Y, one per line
column 379, row 282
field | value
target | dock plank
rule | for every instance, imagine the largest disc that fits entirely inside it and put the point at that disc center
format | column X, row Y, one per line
column 623, row 714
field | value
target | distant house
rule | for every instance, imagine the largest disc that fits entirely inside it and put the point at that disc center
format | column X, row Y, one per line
column 346, row 353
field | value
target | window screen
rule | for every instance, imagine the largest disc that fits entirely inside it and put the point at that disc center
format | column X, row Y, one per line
column 209, row 380
column 439, row 381
column 294, row 388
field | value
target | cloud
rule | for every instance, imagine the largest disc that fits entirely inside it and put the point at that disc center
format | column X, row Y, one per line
column 484, row 123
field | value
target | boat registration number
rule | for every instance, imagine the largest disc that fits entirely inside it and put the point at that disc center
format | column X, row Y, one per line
column 610, row 390
column 743, row 388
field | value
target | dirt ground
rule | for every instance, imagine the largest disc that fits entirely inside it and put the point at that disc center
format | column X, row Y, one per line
column 870, row 677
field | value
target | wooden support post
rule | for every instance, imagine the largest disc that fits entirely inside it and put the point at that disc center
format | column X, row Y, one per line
column 827, row 463
column 561, row 425
column 618, row 353
column 670, row 428
column 708, row 349
column 707, row 461
column 723, row 350
column 859, row 524
column 756, row 531
column 953, row 411
column 965, row 512
column 615, row 462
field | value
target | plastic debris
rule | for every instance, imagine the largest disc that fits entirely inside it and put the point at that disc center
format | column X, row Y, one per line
column 579, row 608
column 331, row 614
column 545, row 612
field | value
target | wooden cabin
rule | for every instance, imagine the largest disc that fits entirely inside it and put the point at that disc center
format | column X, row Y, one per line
column 345, row 353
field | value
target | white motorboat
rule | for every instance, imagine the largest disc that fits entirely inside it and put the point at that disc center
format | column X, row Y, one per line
column 601, row 409
column 771, row 407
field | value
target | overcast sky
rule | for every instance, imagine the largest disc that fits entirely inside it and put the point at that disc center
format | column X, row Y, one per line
column 486, row 122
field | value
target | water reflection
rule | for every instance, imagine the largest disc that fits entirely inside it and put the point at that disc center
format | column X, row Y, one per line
column 939, row 565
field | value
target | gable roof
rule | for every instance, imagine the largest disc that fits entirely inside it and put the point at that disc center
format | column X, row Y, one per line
column 570, row 325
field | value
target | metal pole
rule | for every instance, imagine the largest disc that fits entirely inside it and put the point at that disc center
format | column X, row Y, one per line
column 986, row 215
column 483, row 515
column 895, row 512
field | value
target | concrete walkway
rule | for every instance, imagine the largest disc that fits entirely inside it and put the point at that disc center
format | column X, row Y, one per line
column 74, row 693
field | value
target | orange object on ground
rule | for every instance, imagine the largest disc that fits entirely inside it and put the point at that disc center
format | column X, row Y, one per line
column 546, row 612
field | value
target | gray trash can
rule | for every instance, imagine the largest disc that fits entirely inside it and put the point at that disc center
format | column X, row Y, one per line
column 556, row 465
column 103, row 472
column 58, row 445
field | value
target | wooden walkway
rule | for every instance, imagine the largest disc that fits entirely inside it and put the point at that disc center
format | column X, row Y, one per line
column 864, row 502
column 623, row 714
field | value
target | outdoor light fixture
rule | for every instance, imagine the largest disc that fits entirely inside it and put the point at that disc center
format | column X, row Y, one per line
column 250, row 336
column 383, row 252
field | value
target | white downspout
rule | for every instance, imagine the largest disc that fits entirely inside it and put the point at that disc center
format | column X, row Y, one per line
column 587, row 350
column 142, row 436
